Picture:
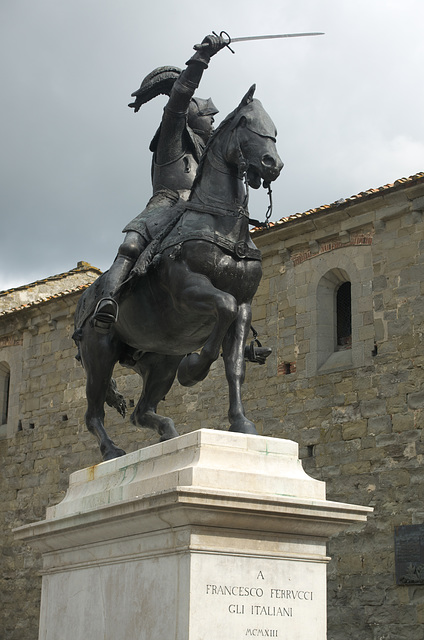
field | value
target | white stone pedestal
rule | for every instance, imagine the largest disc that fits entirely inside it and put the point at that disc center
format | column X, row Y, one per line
column 210, row 536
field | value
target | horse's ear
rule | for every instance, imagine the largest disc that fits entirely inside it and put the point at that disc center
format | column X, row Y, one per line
column 232, row 119
column 249, row 95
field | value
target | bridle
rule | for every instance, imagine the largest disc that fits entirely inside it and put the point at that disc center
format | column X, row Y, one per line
column 242, row 169
column 239, row 170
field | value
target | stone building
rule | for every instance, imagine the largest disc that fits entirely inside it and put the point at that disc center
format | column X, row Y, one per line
column 341, row 305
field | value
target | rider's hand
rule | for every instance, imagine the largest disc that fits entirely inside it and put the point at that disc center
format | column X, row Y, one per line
column 212, row 44
column 209, row 46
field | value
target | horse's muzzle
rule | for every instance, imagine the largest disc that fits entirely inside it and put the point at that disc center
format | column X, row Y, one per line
column 271, row 167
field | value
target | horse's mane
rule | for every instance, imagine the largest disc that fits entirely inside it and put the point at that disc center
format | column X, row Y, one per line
column 216, row 134
column 222, row 127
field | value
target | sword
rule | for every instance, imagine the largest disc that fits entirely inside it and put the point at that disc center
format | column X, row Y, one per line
column 228, row 40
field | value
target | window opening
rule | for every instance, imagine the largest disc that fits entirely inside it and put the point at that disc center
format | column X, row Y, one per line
column 4, row 391
column 344, row 316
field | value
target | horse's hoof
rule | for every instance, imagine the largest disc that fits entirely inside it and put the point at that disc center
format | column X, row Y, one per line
column 113, row 453
column 244, row 426
column 167, row 430
column 168, row 436
column 191, row 370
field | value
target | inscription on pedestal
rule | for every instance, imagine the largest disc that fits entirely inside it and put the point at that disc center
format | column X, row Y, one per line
column 277, row 599
column 283, row 599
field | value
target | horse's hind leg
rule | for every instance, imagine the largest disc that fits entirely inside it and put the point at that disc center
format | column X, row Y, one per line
column 195, row 294
column 98, row 357
column 158, row 373
column 235, row 368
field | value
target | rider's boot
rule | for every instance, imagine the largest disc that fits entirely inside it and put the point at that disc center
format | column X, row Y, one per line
column 106, row 312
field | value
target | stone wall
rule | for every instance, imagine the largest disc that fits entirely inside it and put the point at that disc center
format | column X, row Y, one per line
column 48, row 441
column 44, row 439
column 357, row 413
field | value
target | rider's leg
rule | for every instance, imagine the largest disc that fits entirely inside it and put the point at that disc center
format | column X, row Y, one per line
column 106, row 312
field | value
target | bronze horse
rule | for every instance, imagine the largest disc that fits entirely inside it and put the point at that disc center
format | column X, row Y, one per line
column 196, row 296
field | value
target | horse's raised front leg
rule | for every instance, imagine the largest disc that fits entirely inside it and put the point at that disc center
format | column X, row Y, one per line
column 98, row 356
column 158, row 373
column 235, row 367
column 194, row 293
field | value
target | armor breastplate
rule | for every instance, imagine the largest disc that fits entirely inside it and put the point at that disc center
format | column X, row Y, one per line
column 176, row 175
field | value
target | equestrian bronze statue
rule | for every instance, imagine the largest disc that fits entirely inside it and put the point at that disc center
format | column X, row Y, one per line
column 181, row 287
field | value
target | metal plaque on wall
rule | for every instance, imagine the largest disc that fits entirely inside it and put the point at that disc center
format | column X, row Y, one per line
column 409, row 554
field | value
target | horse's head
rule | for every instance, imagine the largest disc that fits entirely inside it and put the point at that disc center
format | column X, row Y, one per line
column 252, row 144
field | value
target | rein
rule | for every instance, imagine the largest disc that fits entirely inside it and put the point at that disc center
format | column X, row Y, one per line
column 215, row 210
column 268, row 214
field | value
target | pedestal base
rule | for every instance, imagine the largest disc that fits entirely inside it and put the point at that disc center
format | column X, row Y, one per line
column 211, row 536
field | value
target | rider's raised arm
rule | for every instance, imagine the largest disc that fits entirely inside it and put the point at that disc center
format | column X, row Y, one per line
column 174, row 118
column 189, row 80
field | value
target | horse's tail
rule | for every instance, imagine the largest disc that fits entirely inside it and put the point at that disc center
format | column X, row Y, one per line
column 76, row 337
column 85, row 307
column 115, row 399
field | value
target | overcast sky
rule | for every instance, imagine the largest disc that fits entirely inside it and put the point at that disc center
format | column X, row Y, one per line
column 75, row 163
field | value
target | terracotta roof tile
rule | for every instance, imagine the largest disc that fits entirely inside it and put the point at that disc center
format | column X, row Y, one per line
column 363, row 195
column 81, row 267
column 36, row 293
column 43, row 299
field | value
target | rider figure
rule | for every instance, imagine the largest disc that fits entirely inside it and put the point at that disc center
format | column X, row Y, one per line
column 177, row 146
column 186, row 126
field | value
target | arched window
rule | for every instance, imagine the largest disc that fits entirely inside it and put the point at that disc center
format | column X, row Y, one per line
column 334, row 318
column 4, row 391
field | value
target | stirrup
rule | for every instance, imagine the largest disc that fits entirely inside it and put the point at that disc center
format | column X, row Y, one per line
column 103, row 319
column 255, row 352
